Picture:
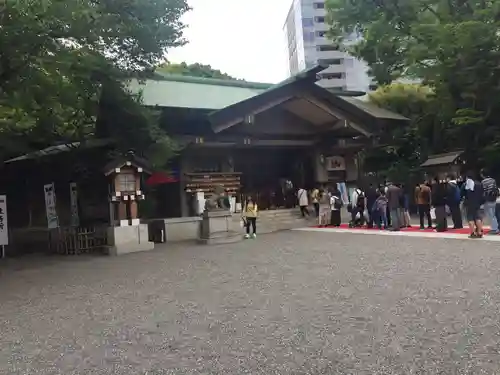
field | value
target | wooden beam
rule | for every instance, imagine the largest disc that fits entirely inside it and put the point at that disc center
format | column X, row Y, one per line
column 338, row 115
column 221, row 127
column 339, row 125
column 282, row 142
column 360, row 129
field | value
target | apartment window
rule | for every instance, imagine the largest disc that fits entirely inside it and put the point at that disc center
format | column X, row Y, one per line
column 307, row 22
column 327, row 47
column 332, row 76
column 308, row 36
column 319, row 19
column 319, row 5
column 321, row 34
column 330, row 61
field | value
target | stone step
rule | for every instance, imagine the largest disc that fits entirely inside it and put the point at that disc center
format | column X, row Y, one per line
column 274, row 214
column 220, row 238
column 268, row 226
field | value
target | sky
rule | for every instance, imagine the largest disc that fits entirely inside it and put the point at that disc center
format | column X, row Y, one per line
column 243, row 38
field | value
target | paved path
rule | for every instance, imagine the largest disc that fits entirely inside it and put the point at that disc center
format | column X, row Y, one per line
column 403, row 233
column 287, row 303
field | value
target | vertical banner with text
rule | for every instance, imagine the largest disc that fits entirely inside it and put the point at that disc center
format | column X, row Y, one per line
column 50, row 206
column 73, row 196
column 4, row 230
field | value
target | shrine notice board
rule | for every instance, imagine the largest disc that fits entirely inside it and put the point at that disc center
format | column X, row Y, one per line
column 4, row 232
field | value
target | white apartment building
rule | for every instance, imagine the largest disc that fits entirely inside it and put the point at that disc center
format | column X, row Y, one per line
column 305, row 31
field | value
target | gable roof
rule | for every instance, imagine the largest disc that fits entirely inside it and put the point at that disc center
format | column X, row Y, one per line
column 373, row 109
column 303, row 97
column 127, row 160
column 442, row 159
column 194, row 92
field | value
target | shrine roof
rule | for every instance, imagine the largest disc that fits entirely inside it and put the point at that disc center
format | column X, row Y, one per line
column 127, row 160
column 177, row 91
column 303, row 98
column 193, row 92
column 442, row 159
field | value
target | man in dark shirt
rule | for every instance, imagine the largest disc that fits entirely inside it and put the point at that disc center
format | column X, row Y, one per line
column 394, row 194
column 453, row 201
column 371, row 197
column 439, row 195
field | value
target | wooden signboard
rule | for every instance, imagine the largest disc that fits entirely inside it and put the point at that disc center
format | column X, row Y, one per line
column 206, row 182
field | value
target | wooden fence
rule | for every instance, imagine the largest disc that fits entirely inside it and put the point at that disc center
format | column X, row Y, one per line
column 75, row 241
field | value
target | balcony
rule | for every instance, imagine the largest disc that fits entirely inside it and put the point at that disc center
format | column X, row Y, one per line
column 329, row 55
column 340, row 68
column 331, row 83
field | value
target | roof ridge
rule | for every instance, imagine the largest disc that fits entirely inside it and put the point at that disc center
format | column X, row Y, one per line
column 159, row 76
column 446, row 154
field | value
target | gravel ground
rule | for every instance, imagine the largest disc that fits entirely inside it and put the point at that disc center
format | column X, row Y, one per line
column 286, row 303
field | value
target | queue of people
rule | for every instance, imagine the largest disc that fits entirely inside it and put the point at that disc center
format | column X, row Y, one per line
column 327, row 203
column 476, row 195
column 387, row 206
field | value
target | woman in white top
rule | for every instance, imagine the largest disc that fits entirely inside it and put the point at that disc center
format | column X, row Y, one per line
column 303, row 201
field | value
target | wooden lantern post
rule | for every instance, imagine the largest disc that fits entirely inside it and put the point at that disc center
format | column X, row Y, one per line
column 125, row 189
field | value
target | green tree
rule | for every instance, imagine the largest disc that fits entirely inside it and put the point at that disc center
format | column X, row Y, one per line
column 194, row 70
column 56, row 56
column 404, row 147
column 453, row 46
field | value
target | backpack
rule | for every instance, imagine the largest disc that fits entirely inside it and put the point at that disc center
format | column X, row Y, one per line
column 479, row 191
column 337, row 202
column 360, row 202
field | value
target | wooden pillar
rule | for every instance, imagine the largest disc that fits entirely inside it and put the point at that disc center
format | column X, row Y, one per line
column 133, row 210
column 183, row 168
column 122, row 210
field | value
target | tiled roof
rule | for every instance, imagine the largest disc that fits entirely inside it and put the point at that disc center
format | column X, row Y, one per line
column 193, row 92
column 374, row 110
column 442, row 159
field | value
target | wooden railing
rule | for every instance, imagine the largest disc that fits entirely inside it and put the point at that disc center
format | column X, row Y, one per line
column 75, row 241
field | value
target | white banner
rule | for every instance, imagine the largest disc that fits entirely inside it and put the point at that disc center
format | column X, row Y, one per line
column 73, row 196
column 4, row 230
column 343, row 192
column 50, row 206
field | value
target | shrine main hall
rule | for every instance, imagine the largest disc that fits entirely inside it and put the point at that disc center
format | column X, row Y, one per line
column 250, row 137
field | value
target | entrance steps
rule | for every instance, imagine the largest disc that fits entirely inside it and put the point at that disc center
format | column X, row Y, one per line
column 282, row 219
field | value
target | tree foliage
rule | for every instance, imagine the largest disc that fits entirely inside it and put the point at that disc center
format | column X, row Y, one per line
column 404, row 147
column 194, row 70
column 56, row 56
column 453, row 46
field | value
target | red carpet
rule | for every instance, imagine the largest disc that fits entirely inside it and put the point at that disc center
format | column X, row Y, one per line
column 412, row 229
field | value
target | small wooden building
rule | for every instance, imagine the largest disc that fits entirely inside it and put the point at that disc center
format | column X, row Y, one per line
column 440, row 165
